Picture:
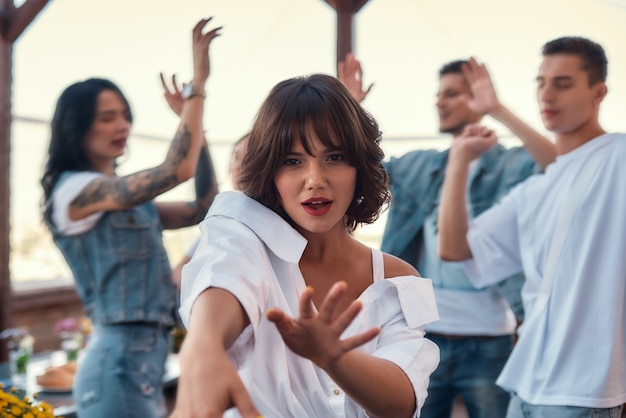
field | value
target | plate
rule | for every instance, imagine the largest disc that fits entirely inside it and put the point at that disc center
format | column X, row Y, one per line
column 54, row 390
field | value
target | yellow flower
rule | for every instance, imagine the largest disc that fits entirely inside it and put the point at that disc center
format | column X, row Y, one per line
column 11, row 406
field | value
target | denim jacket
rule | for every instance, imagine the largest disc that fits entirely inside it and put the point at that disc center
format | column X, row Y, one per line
column 120, row 267
column 416, row 179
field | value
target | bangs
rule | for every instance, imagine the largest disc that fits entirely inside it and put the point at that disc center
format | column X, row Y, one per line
column 312, row 114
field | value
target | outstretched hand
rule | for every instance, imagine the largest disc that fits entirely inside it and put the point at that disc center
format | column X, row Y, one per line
column 484, row 99
column 209, row 385
column 317, row 336
column 351, row 75
column 174, row 96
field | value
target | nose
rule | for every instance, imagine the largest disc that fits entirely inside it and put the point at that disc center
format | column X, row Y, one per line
column 439, row 102
column 545, row 94
column 316, row 176
column 123, row 124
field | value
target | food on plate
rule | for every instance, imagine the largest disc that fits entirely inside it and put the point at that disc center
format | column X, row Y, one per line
column 58, row 377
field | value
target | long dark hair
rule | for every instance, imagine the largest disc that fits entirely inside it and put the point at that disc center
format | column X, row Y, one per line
column 74, row 114
column 323, row 103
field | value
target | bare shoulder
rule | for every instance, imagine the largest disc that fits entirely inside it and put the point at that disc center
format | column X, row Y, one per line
column 395, row 267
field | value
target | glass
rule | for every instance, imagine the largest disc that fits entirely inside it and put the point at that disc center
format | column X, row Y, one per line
column 20, row 345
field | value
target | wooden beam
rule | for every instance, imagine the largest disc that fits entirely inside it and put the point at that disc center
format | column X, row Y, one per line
column 19, row 18
column 13, row 21
column 346, row 10
column 6, row 54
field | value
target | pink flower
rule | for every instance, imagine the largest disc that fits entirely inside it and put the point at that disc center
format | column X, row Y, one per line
column 67, row 325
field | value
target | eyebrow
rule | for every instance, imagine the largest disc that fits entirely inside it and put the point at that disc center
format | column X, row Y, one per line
column 557, row 78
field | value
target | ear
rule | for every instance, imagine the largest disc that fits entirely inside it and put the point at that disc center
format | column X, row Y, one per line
column 600, row 92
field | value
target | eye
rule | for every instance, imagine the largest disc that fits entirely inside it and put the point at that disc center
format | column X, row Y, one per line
column 291, row 161
column 336, row 157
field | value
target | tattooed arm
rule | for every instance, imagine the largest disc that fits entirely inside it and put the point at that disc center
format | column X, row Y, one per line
column 118, row 193
column 181, row 214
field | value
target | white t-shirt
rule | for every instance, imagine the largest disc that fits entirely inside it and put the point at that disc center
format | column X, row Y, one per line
column 250, row 251
column 574, row 351
column 62, row 197
column 463, row 309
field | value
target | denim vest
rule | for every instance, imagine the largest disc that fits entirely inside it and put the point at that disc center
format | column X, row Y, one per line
column 120, row 267
column 416, row 179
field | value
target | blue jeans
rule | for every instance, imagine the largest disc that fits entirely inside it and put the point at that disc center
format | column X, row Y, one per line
column 468, row 367
column 520, row 409
column 121, row 374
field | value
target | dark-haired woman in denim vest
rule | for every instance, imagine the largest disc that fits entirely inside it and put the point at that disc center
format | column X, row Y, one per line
column 109, row 230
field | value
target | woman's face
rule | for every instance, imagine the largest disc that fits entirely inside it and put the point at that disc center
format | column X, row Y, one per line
column 106, row 139
column 235, row 165
column 316, row 190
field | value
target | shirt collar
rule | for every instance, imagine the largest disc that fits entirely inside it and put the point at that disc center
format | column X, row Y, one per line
column 273, row 230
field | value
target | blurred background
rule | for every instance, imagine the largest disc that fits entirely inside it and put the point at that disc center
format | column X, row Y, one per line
column 401, row 44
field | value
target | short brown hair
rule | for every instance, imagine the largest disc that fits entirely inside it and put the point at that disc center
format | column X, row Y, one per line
column 591, row 54
column 321, row 103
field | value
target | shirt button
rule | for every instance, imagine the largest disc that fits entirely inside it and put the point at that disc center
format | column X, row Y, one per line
column 336, row 392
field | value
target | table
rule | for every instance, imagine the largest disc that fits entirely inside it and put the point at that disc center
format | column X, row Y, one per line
column 63, row 403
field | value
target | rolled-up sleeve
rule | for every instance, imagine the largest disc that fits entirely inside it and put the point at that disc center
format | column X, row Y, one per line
column 229, row 256
column 402, row 306
column 493, row 238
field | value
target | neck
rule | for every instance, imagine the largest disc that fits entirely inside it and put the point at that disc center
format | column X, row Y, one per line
column 569, row 141
column 104, row 166
column 326, row 247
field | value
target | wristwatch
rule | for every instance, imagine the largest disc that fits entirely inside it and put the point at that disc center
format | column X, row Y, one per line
column 190, row 90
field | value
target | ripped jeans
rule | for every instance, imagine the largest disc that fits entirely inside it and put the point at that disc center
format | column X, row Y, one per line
column 121, row 373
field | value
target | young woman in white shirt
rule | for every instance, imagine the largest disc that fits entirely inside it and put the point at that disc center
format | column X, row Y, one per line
column 287, row 313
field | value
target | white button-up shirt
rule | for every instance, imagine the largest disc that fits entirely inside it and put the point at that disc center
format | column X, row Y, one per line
column 253, row 253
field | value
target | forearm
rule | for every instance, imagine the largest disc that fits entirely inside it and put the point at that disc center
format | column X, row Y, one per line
column 541, row 148
column 205, row 181
column 182, row 156
column 453, row 216
column 378, row 386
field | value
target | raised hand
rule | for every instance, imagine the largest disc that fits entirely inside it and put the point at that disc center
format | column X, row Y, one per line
column 351, row 75
column 200, row 43
column 316, row 336
column 474, row 141
column 484, row 99
column 174, row 96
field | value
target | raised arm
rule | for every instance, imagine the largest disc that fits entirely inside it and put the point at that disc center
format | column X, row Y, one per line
column 486, row 101
column 351, row 76
column 118, row 193
column 181, row 214
column 453, row 217
column 380, row 386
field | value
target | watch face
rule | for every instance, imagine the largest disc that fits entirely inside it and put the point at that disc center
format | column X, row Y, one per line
column 188, row 90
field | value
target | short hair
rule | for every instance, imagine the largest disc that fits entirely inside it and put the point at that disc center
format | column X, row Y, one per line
column 321, row 103
column 591, row 53
column 453, row 67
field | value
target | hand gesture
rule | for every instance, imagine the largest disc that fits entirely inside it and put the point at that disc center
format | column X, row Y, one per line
column 209, row 385
column 200, row 46
column 316, row 336
column 351, row 75
column 474, row 141
column 484, row 99
column 173, row 97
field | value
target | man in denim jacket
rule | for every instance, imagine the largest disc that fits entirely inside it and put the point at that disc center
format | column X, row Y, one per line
column 476, row 326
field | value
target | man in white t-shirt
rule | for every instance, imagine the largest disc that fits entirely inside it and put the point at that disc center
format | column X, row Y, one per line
column 566, row 231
